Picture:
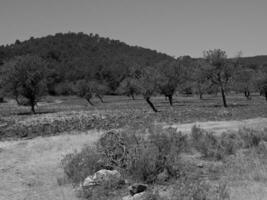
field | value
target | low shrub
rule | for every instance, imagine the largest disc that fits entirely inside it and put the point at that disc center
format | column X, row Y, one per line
column 212, row 146
column 251, row 138
column 230, row 142
column 140, row 157
column 78, row 165
column 158, row 152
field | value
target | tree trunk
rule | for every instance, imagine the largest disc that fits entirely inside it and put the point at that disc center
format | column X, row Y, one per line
column 223, row 97
column 89, row 101
column 101, row 99
column 132, row 95
column 200, row 95
column 33, row 108
column 170, row 99
column 151, row 104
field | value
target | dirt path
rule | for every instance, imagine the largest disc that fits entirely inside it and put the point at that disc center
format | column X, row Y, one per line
column 29, row 169
column 223, row 126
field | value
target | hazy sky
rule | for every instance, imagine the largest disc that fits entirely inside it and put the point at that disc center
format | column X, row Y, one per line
column 176, row 27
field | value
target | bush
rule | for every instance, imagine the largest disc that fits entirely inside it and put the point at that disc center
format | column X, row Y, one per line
column 139, row 157
column 78, row 165
column 251, row 138
column 215, row 147
column 162, row 149
column 230, row 143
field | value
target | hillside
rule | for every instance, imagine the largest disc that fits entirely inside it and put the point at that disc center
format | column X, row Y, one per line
column 256, row 60
column 74, row 56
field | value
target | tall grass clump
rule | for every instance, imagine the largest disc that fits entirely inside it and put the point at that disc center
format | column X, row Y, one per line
column 212, row 146
column 78, row 165
column 251, row 138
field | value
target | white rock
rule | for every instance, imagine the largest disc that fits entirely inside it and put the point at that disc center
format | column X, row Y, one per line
column 102, row 177
column 139, row 196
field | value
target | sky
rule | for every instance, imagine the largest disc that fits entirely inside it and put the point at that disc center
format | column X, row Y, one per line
column 175, row 27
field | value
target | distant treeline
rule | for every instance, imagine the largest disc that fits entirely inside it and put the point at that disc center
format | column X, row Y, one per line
column 89, row 65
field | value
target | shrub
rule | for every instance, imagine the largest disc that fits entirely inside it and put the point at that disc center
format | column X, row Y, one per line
column 78, row 165
column 216, row 147
column 251, row 138
column 230, row 143
column 139, row 157
column 196, row 135
column 158, row 152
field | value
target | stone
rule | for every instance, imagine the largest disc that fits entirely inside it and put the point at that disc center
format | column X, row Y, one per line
column 137, row 188
column 139, row 196
column 103, row 177
column 200, row 165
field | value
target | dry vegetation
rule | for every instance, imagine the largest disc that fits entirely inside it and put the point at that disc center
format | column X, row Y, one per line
column 202, row 164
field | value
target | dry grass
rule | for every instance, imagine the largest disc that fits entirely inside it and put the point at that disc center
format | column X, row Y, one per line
column 29, row 169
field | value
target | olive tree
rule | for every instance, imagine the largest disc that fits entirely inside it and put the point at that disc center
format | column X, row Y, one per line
column 170, row 75
column 219, row 71
column 148, row 84
column 129, row 86
column 26, row 80
column 88, row 89
column 82, row 89
column 244, row 81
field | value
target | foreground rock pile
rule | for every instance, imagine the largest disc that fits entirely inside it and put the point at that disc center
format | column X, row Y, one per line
column 104, row 177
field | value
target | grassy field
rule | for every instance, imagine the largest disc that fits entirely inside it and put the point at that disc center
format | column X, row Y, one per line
column 30, row 164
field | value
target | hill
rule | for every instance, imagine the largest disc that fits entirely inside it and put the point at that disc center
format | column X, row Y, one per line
column 255, row 60
column 75, row 56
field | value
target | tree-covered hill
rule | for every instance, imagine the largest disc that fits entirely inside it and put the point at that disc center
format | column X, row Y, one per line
column 76, row 56
column 255, row 60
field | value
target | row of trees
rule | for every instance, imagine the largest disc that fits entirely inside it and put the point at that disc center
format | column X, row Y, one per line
column 27, row 79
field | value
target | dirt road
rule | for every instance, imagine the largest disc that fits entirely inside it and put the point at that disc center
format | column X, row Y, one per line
column 223, row 126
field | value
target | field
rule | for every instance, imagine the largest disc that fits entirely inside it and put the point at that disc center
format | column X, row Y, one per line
column 32, row 146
